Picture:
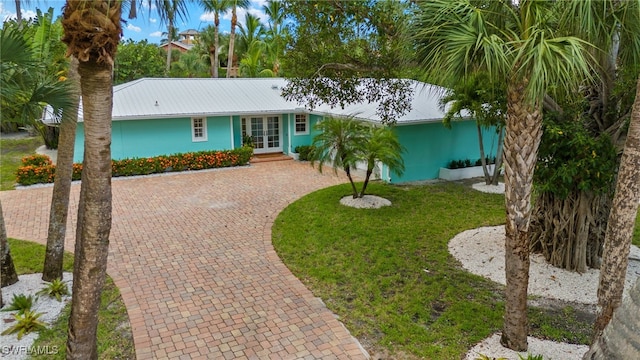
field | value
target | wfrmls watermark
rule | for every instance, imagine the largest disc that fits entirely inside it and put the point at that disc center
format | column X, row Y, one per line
column 28, row 350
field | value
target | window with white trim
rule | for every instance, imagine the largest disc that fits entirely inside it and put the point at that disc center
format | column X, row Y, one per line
column 198, row 129
column 301, row 124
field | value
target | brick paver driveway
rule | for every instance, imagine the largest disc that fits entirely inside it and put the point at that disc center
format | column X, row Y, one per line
column 192, row 256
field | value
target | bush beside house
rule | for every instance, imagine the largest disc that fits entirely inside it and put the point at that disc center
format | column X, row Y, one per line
column 38, row 169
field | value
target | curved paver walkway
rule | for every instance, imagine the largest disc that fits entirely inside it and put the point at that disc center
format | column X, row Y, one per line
column 192, row 256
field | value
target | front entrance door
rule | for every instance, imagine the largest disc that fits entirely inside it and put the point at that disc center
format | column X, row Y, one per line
column 265, row 132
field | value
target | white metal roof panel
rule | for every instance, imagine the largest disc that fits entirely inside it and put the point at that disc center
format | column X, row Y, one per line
column 150, row 98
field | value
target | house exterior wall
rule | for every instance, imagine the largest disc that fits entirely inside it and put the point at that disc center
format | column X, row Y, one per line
column 302, row 139
column 428, row 147
column 154, row 137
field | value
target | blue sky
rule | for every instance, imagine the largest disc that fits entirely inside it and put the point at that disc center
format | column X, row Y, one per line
column 147, row 25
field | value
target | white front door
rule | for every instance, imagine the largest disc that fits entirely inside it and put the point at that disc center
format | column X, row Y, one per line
column 266, row 134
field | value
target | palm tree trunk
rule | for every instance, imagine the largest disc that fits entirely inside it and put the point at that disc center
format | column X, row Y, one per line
column 8, row 273
column 18, row 13
column 621, row 338
column 170, row 38
column 366, row 182
column 62, row 184
column 216, row 44
column 498, row 162
column 94, row 211
column 621, row 223
column 232, row 39
column 483, row 160
column 523, row 134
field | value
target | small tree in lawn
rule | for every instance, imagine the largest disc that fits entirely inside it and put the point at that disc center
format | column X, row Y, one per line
column 338, row 143
column 345, row 142
column 381, row 145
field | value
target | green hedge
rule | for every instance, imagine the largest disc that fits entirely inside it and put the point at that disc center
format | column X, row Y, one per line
column 37, row 169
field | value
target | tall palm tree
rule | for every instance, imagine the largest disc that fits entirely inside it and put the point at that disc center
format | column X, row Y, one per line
column 54, row 254
column 98, row 21
column 621, row 223
column 216, row 7
column 338, row 143
column 515, row 43
column 235, row 4
column 169, row 11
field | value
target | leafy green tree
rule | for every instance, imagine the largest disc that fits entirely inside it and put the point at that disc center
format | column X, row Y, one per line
column 216, row 7
column 137, row 60
column 344, row 52
column 519, row 45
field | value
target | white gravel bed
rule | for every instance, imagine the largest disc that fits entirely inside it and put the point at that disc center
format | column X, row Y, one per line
column 493, row 189
column 481, row 251
column 365, row 202
column 12, row 348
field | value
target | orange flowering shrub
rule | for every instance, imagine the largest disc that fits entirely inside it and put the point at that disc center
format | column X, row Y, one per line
column 37, row 170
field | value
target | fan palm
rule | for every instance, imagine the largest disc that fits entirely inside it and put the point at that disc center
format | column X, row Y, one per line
column 216, row 7
column 517, row 44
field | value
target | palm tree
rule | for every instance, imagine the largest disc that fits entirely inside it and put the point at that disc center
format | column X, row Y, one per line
column 62, row 183
column 275, row 34
column 235, row 4
column 168, row 10
column 621, row 223
column 338, row 143
column 216, row 7
column 8, row 274
column 206, row 43
column 381, row 145
column 517, row 44
column 251, row 32
column 96, row 58
column 620, row 339
column 485, row 103
column 251, row 64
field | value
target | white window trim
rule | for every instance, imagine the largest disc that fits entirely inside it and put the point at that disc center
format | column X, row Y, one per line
column 306, row 124
column 204, row 130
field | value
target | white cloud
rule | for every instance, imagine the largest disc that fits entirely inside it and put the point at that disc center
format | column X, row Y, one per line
column 6, row 15
column 133, row 28
column 156, row 34
column 152, row 20
column 242, row 12
column 207, row 17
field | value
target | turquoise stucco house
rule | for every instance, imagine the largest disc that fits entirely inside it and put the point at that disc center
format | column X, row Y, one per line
column 154, row 116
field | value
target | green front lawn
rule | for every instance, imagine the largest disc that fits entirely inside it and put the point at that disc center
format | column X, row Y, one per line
column 388, row 274
column 12, row 151
column 114, row 333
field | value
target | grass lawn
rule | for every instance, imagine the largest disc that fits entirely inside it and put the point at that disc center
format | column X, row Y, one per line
column 115, row 340
column 388, row 274
column 12, row 151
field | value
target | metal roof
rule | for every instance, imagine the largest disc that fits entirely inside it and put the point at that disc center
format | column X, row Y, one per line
column 151, row 98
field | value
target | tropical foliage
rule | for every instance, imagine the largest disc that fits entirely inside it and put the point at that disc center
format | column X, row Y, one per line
column 36, row 170
column 519, row 45
column 137, row 60
column 344, row 143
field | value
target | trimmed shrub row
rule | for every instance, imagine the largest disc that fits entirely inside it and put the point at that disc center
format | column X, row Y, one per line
column 38, row 169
